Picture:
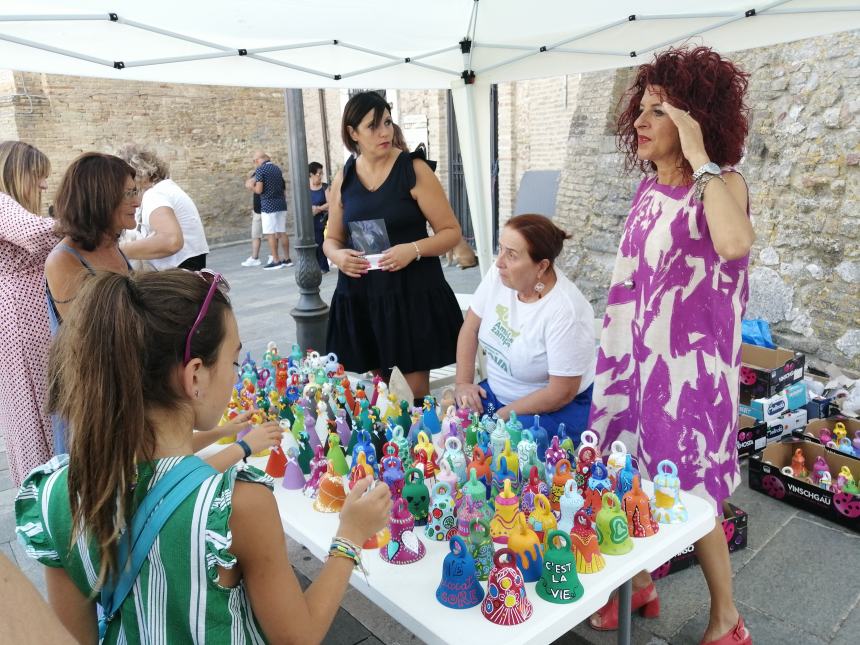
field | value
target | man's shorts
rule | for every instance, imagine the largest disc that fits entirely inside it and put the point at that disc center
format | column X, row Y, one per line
column 256, row 227
column 274, row 222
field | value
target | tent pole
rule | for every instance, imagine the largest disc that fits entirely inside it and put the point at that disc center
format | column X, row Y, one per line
column 310, row 313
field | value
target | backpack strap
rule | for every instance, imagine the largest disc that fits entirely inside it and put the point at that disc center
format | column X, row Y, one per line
column 148, row 520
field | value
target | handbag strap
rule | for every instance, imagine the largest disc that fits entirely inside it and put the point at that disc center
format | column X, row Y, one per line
column 150, row 517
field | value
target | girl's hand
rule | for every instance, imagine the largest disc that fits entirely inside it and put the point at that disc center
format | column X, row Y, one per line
column 469, row 395
column 266, row 435
column 235, row 425
column 690, row 134
column 363, row 516
column 351, row 262
column 398, row 257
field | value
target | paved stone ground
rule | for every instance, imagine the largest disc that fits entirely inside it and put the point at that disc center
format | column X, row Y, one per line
column 794, row 583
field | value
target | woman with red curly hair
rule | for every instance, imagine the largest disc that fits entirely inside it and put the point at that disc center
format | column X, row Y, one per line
column 668, row 367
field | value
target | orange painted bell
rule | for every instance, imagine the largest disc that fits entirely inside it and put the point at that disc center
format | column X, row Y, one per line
column 526, row 545
column 637, row 506
column 481, row 464
column 332, row 492
column 542, row 519
column 563, row 472
column 277, row 463
column 583, row 541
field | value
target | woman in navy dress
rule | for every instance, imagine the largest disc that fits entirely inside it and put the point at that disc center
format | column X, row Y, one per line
column 404, row 315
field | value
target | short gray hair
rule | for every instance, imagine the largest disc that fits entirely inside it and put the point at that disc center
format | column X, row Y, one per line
column 147, row 165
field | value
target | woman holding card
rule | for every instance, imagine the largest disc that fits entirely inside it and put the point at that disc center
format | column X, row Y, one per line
column 403, row 314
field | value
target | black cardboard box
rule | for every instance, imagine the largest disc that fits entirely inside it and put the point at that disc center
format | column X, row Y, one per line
column 764, row 372
column 765, row 476
column 735, row 526
column 812, row 432
column 752, row 435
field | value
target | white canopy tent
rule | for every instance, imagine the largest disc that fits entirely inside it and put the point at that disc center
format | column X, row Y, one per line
column 462, row 45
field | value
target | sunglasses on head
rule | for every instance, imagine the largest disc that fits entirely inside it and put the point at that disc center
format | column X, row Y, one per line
column 215, row 281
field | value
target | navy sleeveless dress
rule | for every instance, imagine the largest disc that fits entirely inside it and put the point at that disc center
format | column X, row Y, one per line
column 408, row 318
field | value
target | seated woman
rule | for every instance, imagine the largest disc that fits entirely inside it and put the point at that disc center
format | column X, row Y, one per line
column 537, row 330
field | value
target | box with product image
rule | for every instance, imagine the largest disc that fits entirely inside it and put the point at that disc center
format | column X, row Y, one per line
column 785, row 425
column 813, row 430
column 766, row 476
column 735, row 526
column 752, row 435
column 793, row 397
column 765, row 372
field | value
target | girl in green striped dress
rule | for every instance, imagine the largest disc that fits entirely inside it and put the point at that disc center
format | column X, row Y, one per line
column 143, row 361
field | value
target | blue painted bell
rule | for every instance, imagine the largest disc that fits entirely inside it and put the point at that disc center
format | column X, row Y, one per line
column 599, row 478
column 540, row 436
column 666, row 505
column 624, row 478
column 441, row 522
column 364, row 444
column 459, row 587
column 569, row 504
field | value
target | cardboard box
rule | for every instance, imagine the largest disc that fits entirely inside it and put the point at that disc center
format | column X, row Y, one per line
column 785, row 425
column 735, row 526
column 752, row 435
column 793, row 397
column 765, row 372
column 765, row 476
column 818, row 407
column 812, row 432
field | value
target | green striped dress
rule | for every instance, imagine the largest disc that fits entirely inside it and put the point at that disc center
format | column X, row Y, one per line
column 176, row 598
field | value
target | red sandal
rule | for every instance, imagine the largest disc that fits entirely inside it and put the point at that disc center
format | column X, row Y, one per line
column 737, row 635
column 645, row 601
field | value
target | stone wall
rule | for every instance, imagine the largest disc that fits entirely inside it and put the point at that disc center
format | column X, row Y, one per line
column 802, row 167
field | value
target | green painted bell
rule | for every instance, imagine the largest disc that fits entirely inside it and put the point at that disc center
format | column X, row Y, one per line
column 515, row 429
column 474, row 487
column 298, row 422
column 480, row 542
column 559, row 583
column 306, row 453
column 613, row 534
column 417, row 495
column 335, row 455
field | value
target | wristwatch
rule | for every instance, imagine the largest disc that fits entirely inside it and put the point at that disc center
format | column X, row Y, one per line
column 709, row 168
column 702, row 176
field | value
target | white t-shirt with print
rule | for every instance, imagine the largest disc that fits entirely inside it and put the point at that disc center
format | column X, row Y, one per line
column 167, row 193
column 526, row 342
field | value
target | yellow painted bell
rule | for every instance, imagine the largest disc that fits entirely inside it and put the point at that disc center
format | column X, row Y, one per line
column 505, row 517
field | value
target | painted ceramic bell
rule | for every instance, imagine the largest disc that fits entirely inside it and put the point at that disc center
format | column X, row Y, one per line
column 277, row 463
column 666, row 506
column 441, row 523
column 506, row 602
column 319, row 466
column 471, row 433
column 624, row 478
column 559, row 582
column 585, row 457
column 335, row 455
column 637, row 508
column 425, row 446
column 540, row 436
column 798, row 464
column 455, row 458
column 364, row 443
column 332, row 492
column 359, row 470
column 469, row 509
column 526, row 545
column 554, row 454
column 402, row 445
column 510, row 456
column 391, row 472
column 480, row 543
column 569, row 504
column 617, row 458
column 460, row 587
column 417, row 495
column 505, row 516
column 503, row 474
column 598, row 478
column 515, row 429
column 306, row 453
column 562, row 475
column 584, row 543
column 533, row 487
column 474, row 487
column 481, row 464
column 818, row 469
column 839, row 431
column 342, row 427
column 429, row 416
column 613, row 535
column 447, row 475
column 404, row 547
column 542, row 519
column 525, row 449
column 294, row 479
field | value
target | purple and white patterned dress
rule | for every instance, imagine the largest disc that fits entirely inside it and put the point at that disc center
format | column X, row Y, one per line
column 668, row 367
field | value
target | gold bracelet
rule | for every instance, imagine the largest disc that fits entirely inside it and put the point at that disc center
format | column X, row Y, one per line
column 417, row 252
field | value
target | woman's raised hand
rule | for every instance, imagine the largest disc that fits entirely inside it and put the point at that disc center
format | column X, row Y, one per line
column 690, row 134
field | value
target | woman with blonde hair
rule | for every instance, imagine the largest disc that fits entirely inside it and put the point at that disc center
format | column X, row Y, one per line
column 25, row 241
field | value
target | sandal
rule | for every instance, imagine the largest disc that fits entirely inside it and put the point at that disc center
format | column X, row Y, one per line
column 645, row 601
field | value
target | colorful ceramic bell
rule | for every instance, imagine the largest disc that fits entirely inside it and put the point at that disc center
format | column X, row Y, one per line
column 585, row 456
column 417, row 495
column 455, row 458
column 277, row 462
column 441, row 523
column 335, row 455
column 447, row 475
column 561, row 476
column 598, row 478
column 503, row 474
column 498, row 437
column 526, row 545
column 624, row 478
column 360, row 469
column 319, row 466
column 540, row 436
column 364, row 443
column 839, row 432
column 569, row 504
column 342, row 427
column 391, row 472
column 402, row 445
column 425, row 446
column 404, row 547
column 480, row 543
column 332, row 492
column 559, row 583
column 515, row 429
column 474, row 487
column 506, row 602
column 513, row 462
column 525, row 449
column 637, row 507
column 505, row 517
column 798, row 464
column 533, row 487
column 617, row 458
column 306, row 453
column 584, row 543
column 471, row 434
column 481, row 465
column 459, row 588
column 554, row 454
column 666, row 506
column 294, row 479
column 542, row 519
column 613, row 535
column 468, row 510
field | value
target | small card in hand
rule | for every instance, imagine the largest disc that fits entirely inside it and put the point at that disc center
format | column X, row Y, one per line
column 371, row 238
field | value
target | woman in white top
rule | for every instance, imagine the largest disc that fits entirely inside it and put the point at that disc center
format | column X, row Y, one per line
column 174, row 230
column 537, row 330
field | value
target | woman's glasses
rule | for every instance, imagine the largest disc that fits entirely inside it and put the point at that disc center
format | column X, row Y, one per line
column 131, row 193
column 215, row 280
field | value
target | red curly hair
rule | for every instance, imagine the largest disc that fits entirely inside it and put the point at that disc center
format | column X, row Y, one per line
column 711, row 88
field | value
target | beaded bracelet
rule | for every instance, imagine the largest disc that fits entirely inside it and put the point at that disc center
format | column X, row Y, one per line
column 343, row 548
column 417, row 252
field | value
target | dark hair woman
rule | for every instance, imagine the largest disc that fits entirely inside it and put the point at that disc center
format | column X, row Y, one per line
column 319, row 207
column 142, row 361
column 405, row 315
column 537, row 330
column 668, row 369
